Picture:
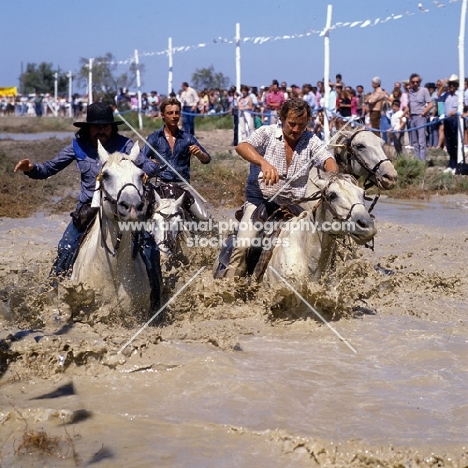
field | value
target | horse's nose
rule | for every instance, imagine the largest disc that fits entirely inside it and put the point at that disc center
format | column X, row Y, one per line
column 389, row 180
column 365, row 222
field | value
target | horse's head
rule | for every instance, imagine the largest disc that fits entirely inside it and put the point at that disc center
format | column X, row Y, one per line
column 361, row 154
column 342, row 202
column 168, row 218
column 122, row 185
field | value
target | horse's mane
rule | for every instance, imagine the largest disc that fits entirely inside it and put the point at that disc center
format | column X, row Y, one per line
column 115, row 159
column 338, row 176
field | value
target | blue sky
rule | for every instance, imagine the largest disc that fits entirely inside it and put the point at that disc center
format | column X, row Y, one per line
column 63, row 31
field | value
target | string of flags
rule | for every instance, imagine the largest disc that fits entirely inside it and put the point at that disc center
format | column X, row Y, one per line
column 262, row 39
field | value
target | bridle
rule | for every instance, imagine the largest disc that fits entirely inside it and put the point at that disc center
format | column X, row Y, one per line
column 351, row 155
column 320, row 196
column 147, row 195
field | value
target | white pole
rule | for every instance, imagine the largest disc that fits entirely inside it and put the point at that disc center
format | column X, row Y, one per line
column 70, row 89
column 326, row 73
column 238, row 58
column 55, row 94
column 461, row 75
column 140, row 119
column 90, row 81
column 169, row 77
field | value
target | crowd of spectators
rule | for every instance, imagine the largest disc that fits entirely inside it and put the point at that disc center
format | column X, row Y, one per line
column 253, row 106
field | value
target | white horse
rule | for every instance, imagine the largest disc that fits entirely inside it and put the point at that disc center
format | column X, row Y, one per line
column 106, row 261
column 168, row 221
column 360, row 153
column 306, row 243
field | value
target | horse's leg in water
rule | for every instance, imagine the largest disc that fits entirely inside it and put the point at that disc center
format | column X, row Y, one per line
column 151, row 257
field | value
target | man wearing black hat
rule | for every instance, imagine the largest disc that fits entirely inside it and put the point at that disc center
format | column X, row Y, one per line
column 100, row 125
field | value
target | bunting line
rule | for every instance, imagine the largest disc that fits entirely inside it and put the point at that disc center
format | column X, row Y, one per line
column 262, row 39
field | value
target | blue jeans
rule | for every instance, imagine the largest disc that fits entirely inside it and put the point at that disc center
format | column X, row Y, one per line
column 188, row 120
column 433, row 130
column 66, row 251
column 384, row 126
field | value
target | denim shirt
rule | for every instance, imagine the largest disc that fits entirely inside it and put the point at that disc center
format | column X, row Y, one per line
column 157, row 147
column 87, row 161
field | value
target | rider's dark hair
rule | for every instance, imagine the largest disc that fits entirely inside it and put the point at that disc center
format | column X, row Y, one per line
column 83, row 133
column 296, row 105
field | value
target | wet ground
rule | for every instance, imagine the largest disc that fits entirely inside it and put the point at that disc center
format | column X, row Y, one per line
column 230, row 381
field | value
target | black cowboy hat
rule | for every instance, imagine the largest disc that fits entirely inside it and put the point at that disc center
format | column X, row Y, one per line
column 98, row 113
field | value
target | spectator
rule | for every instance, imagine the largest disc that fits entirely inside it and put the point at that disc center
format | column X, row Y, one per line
column 273, row 102
column 189, row 99
column 38, row 104
column 419, row 106
column 374, row 104
column 246, row 123
column 451, row 123
column 344, row 108
column 397, row 126
column 354, row 103
column 234, row 109
column 309, row 96
column 433, row 128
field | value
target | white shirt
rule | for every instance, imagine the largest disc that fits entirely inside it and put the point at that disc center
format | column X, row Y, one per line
column 189, row 97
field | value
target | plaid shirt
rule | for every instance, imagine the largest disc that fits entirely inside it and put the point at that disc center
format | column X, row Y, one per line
column 268, row 141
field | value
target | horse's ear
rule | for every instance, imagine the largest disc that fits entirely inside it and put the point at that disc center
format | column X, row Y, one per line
column 157, row 198
column 179, row 201
column 103, row 154
column 134, row 152
column 321, row 183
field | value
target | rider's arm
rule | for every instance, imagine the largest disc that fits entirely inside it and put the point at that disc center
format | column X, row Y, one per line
column 50, row 168
column 247, row 152
column 330, row 165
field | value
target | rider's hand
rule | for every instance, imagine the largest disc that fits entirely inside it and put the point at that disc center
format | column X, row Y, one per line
column 24, row 165
column 270, row 174
column 195, row 150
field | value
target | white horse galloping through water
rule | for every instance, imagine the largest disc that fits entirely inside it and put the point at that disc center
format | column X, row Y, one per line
column 109, row 259
column 360, row 153
column 306, row 243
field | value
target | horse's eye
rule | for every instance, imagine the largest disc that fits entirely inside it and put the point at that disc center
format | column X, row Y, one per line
column 360, row 147
column 105, row 175
column 332, row 196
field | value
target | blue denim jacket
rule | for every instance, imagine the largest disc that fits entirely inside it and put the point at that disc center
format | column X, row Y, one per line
column 179, row 159
column 87, row 161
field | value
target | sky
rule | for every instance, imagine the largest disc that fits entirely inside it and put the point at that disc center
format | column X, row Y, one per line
column 61, row 32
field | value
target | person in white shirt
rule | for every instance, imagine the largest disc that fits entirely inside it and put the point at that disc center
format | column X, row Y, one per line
column 397, row 125
column 189, row 99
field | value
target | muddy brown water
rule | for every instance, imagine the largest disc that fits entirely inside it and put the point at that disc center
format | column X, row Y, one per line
column 227, row 382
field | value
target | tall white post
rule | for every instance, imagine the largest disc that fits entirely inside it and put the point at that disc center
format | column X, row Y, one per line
column 170, row 86
column 55, row 94
column 90, row 81
column 138, row 80
column 70, row 90
column 461, row 77
column 326, row 73
column 238, row 58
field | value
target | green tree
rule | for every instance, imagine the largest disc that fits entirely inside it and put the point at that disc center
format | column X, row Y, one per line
column 207, row 78
column 41, row 79
column 106, row 83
